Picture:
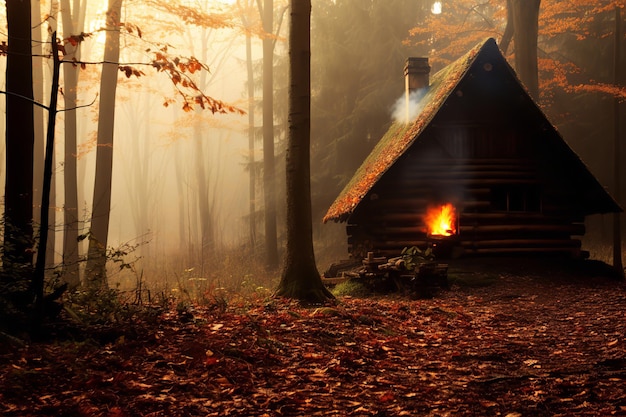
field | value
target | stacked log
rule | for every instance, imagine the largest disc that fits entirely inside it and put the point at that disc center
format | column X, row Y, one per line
column 390, row 217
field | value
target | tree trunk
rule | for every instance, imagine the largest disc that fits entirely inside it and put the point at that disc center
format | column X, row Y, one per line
column 39, row 145
column 507, row 36
column 204, row 209
column 525, row 33
column 72, row 25
column 143, row 194
column 269, row 176
column 203, row 172
column 18, row 192
column 38, row 115
column 101, row 207
column 180, row 187
column 40, row 265
column 300, row 277
column 251, row 134
column 617, row 153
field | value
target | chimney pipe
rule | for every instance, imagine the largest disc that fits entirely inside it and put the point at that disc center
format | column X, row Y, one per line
column 416, row 76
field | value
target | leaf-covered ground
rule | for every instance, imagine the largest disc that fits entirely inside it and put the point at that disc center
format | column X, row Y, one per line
column 540, row 344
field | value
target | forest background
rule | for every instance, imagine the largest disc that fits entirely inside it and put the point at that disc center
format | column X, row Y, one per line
column 188, row 194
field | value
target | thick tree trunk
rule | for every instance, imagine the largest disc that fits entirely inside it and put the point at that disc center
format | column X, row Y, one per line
column 300, row 277
column 38, row 129
column 617, row 153
column 269, row 176
column 18, row 192
column 101, row 207
column 525, row 33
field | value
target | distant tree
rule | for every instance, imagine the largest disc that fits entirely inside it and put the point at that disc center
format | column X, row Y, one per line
column 38, row 280
column 101, row 206
column 39, row 120
column 300, row 278
column 247, row 21
column 269, row 176
column 18, row 193
column 202, row 169
column 525, row 15
column 73, row 19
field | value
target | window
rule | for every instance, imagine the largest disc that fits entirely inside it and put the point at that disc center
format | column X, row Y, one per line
column 516, row 198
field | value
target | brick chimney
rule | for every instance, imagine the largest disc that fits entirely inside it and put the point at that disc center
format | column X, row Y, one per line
column 416, row 76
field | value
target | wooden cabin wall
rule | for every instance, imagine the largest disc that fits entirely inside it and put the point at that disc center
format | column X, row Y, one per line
column 504, row 201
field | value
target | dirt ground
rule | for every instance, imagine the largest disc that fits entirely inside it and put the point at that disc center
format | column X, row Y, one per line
column 510, row 338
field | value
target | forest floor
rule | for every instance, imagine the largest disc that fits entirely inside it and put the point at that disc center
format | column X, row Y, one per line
column 509, row 341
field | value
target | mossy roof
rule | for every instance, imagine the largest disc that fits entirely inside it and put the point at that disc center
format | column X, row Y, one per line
column 400, row 136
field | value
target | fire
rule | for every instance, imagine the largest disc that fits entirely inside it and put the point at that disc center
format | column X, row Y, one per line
column 440, row 220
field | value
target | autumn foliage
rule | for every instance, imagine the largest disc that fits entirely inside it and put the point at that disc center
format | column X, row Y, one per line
column 503, row 343
column 463, row 23
column 179, row 69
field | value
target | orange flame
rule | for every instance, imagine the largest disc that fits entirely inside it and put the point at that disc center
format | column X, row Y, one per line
column 440, row 220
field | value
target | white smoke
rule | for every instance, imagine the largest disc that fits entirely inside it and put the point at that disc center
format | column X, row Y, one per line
column 415, row 106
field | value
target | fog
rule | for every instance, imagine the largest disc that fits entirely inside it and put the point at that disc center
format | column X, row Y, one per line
column 358, row 51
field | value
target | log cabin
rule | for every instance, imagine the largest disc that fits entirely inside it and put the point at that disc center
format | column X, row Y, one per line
column 479, row 170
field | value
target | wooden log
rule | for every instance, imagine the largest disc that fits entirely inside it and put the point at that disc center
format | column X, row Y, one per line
column 416, row 205
column 468, row 217
column 506, row 250
column 572, row 229
column 382, row 231
column 386, row 244
column 334, row 280
column 459, row 240
column 446, row 174
column 454, row 183
column 335, row 269
column 423, row 191
column 520, row 243
column 508, row 162
column 428, row 167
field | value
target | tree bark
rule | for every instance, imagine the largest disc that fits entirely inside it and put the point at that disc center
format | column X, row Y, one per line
column 507, row 36
column 101, row 207
column 40, row 265
column 18, row 193
column 72, row 25
column 203, row 174
column 269, row 175
column 300, row 278
column 251, row 134
column 525, row 33
column 617, row 153
column 38, row 115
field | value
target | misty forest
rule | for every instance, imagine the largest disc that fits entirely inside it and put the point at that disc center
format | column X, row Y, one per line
column 312, row 207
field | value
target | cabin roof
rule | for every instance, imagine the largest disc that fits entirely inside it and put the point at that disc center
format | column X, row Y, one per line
column 400, row 136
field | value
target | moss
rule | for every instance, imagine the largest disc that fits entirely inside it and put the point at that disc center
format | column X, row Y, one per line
column 351, row 288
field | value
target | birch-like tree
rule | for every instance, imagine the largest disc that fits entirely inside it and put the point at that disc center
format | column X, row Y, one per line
column 101, row 206
column 73, row 20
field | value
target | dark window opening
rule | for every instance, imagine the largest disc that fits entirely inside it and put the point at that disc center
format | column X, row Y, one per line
column 516, row 198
